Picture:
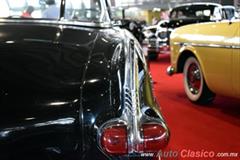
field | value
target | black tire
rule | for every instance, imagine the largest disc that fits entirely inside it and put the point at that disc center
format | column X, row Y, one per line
column 152, row 55
column 195, row 86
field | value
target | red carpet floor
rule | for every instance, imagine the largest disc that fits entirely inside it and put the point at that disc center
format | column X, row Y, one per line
column 197, row 132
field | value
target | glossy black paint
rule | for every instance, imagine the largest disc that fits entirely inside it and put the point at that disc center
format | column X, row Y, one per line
column 175, row 23
column 41, row 91
column 57, row 82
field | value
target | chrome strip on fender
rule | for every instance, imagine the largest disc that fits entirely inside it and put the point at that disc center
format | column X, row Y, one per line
column 207, row 45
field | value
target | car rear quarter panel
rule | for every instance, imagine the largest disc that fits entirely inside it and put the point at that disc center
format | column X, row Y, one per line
column 57, row 82
column 101, row 88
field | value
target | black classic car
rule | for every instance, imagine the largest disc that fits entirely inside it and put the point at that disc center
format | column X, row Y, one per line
column 74, row 86
column 185, row 14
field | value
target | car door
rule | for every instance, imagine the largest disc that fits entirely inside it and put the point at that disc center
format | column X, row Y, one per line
column 216, row 56
column 236, row 61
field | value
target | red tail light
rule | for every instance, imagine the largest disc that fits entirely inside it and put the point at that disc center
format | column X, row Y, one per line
column 154, row 136
column 114, row 140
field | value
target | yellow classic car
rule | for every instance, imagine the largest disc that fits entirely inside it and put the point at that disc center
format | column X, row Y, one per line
column 208, row 55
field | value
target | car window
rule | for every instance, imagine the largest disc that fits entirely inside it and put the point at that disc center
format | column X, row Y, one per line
column 46, row 9
column 193, row 11
column 206, row 12
column 228, row 13
column 83, row 10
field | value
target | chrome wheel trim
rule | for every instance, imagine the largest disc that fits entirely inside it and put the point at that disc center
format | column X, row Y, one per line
column 193, row 79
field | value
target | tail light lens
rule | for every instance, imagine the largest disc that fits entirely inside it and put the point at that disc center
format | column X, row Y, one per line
column 154, row 136
column 114, row 140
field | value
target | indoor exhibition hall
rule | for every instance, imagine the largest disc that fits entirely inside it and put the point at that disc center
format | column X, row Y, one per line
column 119, row 79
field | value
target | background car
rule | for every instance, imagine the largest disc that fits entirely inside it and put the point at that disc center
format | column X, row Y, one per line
column 150, row 41
column 135, row 27
column 208, row 55
column 75, row 87
column 189, row 13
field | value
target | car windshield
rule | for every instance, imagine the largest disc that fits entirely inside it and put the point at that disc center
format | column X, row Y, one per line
column 83, row 10
column 229, row 12
column 78, row 10
column 193, row 11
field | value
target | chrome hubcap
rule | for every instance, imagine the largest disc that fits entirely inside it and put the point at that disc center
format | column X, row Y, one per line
column 194, row 78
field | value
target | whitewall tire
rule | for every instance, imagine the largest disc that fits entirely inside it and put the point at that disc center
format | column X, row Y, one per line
column 194, row 83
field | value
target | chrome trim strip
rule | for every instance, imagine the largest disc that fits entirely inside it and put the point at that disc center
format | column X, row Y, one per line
column 58, row 22
column 207, row 45
column 133, row 115
column 53, row 21
column 88, row 24
column 236, row 47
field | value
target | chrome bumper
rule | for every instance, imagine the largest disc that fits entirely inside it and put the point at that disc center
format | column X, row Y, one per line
column 170, row 70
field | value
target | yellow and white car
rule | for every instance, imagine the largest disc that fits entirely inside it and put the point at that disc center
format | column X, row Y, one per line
column 208, row 55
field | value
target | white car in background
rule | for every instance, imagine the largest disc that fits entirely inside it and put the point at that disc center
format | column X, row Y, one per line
column 152, row 40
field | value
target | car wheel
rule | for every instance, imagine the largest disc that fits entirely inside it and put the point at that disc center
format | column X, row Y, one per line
column 194, row 83
column 152, row 55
